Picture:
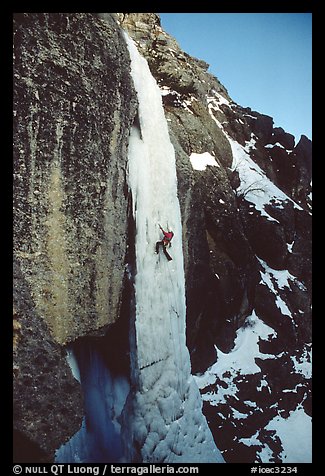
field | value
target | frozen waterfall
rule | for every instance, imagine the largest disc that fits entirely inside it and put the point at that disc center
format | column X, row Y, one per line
column 164, row 415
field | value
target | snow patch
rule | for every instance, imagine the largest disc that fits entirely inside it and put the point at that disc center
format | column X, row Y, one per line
column 201, row 161
column 240, row 361
column 263, row 384
column 290, row 246
column 295, row 433
column 250, row 145
column 280, row 277
column 285, row 311
column 265, row 454
column 238, row 415
column 277, row 144
column 217, row 99
column 255, row 186
column 165, row 90
column 303, row 363
column 251, row 441
column 249, row 115
column 276, row 280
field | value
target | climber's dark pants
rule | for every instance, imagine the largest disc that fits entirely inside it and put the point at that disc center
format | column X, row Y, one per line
column 164, row 249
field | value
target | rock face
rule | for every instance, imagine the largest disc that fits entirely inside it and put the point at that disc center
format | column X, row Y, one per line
column 246, row 229
column 47, row 404
column 73, row 105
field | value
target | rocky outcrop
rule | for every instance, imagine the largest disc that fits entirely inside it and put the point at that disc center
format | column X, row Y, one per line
column 47, row 401
column 168, row 63
column 73, row 106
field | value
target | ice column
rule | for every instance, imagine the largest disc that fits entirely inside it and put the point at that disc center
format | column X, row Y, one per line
column 166, row 419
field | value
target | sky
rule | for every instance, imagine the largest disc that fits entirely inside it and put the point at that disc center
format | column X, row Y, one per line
column 264, row 60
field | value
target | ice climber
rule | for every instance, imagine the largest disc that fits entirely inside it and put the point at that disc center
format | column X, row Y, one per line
column 168, row 235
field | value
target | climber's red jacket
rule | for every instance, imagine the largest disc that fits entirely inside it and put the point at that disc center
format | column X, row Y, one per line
column 168, row 235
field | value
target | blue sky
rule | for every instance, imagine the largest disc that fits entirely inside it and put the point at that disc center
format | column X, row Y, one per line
column 263, row 59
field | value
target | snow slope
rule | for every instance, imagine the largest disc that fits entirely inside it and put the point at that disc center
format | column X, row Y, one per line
column 167, row 423
column 295, row 433
column 241, row 360
column 255, row 186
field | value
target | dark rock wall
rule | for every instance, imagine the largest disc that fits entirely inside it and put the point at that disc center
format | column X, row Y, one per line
column 47, row 404
column 73, row 106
